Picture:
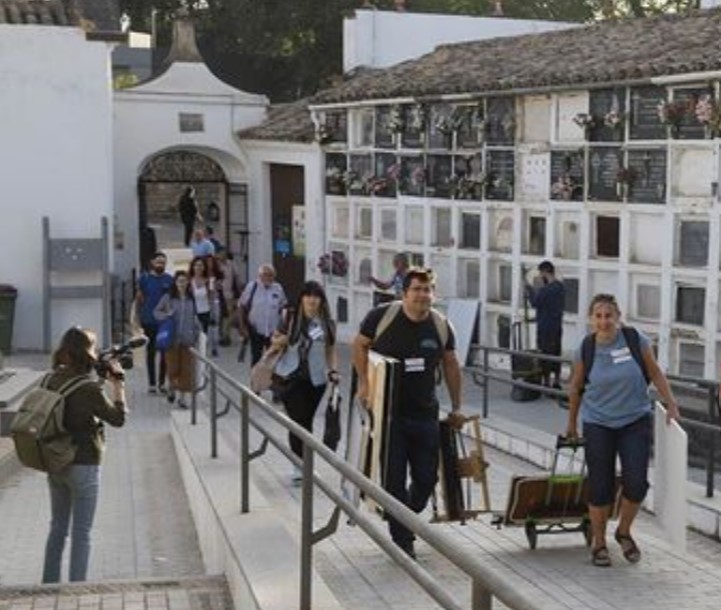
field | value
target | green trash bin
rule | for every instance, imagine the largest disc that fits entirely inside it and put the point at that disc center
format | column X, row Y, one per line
column 8, row 294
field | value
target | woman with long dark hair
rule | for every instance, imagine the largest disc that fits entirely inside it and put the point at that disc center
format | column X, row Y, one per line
column 180, row 305
column 74, row 489
column 312, row 330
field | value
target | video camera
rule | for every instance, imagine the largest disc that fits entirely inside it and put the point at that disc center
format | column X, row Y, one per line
column 122, row 353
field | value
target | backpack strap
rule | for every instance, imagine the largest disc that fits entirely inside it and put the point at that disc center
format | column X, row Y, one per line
column 392, row 310
column 588, row 353
column 441, row 323
column 73, row 384
column 633, row 341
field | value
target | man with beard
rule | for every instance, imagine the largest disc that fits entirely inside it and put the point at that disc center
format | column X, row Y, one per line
column 152, row 285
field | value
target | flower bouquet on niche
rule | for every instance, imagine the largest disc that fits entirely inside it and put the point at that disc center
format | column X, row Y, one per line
column 333, row 263
column 708, row 113
column 672, row 113
column 625, row 177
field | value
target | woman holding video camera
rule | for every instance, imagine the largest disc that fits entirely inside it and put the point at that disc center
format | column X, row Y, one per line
column 74, row 489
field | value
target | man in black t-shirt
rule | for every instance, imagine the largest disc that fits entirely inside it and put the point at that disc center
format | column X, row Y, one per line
column 415, row 338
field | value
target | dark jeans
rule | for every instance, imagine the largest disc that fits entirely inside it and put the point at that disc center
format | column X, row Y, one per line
column 632, row 444
column 413, row 443
column 188, row 225
column 551, row 345
column 258, row 343
column 301, row 402
column 204, row 319
column 151, row 332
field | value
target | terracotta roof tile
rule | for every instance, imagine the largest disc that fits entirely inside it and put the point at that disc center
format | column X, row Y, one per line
column 98, row 15
column 608, row 51
column 285, row 123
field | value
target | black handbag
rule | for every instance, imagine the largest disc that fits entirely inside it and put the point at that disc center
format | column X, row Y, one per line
column 331, row 434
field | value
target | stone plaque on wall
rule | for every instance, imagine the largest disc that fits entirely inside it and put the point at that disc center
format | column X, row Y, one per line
column 536, row 118
column 608, row 108
column 534, row 175
column 604, row 163
column 501, row 121
column 649, row 183
column 385, row 137
column 570, row 105
column 644, row 121
column 689, row 128
column 439, row 176
column 500, row 172
column 692, row 171
column 567, row 175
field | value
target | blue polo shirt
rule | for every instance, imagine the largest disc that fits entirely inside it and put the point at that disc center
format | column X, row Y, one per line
column 153, row 287
column 616, row 393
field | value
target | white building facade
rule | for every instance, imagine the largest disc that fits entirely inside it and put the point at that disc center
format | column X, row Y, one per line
column 55, row 146
column 599, row 158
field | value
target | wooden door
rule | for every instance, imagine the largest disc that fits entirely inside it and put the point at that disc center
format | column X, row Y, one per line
column 287, row 188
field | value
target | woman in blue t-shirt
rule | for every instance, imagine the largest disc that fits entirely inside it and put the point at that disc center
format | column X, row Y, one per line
column 616, row 415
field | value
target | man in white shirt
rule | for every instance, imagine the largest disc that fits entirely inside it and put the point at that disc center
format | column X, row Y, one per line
column 261, row 307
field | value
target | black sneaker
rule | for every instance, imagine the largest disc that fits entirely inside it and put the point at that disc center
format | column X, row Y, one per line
column 171, row 396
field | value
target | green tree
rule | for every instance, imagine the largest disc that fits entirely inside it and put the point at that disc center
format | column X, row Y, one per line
column 288, row 49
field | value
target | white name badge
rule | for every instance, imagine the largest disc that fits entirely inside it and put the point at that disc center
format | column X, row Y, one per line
column 315, row 333
column 620, row 355
column 415, row 365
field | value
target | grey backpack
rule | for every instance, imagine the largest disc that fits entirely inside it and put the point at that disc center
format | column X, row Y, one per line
column 41, row 440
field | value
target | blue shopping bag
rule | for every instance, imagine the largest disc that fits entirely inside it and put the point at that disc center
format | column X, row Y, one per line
column 166, row 334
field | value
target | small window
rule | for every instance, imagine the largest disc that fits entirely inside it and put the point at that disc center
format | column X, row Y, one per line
column 690, row 303
column 470, row 231
column 648, row 301
column 537, row 235
column 693, row 243
column 691, row 359
column 570, row 303
column 607, row 236
column 505, row 291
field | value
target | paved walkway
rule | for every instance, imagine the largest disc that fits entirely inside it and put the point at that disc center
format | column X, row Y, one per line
column 144, row 532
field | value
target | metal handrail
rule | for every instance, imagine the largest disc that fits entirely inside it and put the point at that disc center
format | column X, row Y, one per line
column 705, row 388
column 485, row 582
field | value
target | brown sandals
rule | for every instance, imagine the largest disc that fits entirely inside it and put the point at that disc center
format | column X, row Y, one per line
column 630, row 551
column 600, row 557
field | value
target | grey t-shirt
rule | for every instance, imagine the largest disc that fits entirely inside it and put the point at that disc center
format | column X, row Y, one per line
column 616, row 393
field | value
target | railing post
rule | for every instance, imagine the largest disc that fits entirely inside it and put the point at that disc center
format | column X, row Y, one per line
column 711, row 458
column 480, row 596
column 194, row 399
column 306, row 527
column 213, row 413
column 485, row 385
column 244, row 461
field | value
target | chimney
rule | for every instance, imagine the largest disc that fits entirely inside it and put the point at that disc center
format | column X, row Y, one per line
column 498, row 8
column 400, row 5
column 183, row 47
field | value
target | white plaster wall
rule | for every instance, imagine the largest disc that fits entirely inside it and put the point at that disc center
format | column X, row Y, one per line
column 380, row 39
column 55, row 160
column 260, row 156
column 146, row 122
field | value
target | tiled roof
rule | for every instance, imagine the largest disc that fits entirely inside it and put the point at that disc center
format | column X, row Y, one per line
column 285, row 123
column 34, row 12
column 605, row 52
column 97, row 15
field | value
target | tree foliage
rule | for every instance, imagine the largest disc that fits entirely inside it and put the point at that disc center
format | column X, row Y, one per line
column 291, row 48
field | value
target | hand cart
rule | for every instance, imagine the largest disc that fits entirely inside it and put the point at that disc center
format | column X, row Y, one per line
column 553, row 503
